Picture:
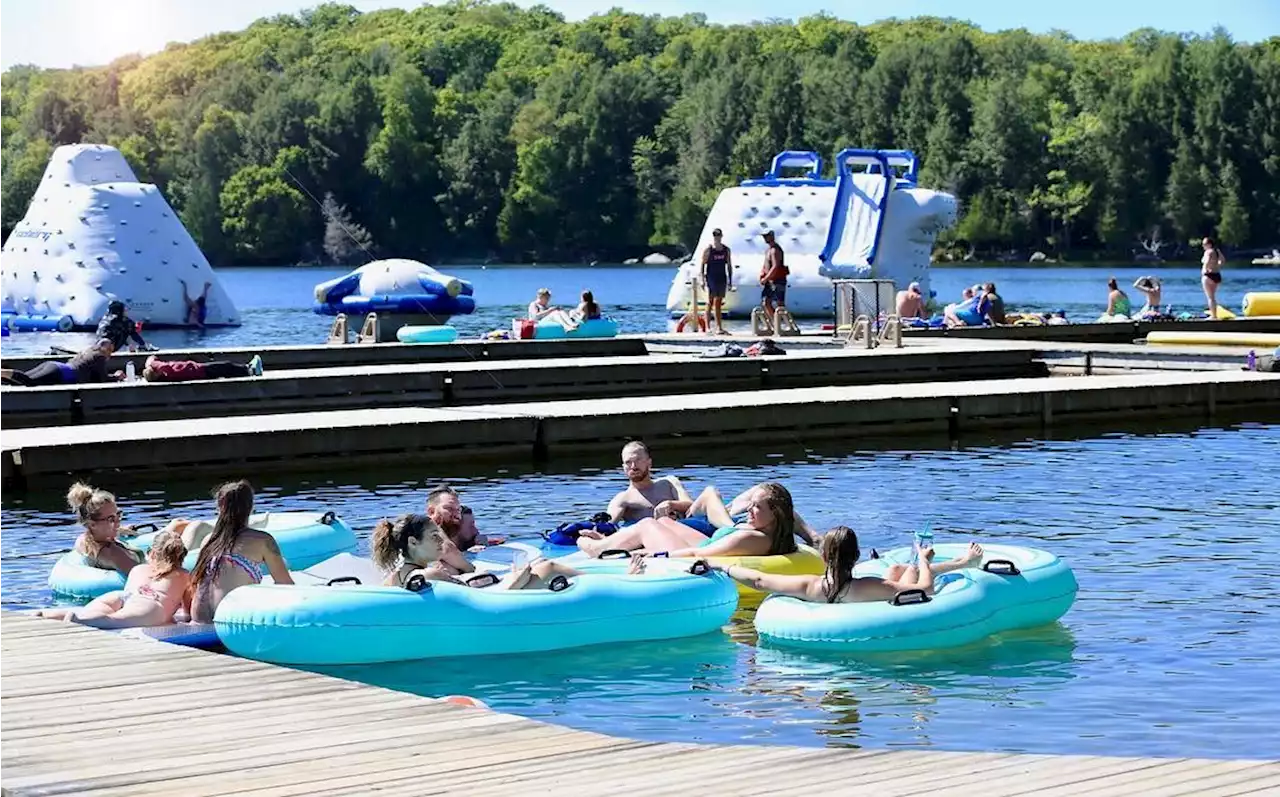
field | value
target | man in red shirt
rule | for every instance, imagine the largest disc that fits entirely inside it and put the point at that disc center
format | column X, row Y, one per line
column 157, row 370
column 773, row 275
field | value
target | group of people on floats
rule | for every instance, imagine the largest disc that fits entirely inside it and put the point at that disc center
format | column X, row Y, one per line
column 430, row 546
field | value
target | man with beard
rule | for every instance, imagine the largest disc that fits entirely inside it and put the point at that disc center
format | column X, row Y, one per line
column 646, row 496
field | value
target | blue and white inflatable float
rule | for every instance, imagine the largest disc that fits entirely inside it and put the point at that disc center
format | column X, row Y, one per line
column 1013, row 588
column 395, row 286
column 361, row 623
column 305, row 539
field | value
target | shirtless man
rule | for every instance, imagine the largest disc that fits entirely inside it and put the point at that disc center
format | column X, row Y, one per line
column 445, row 508
column 646, row 496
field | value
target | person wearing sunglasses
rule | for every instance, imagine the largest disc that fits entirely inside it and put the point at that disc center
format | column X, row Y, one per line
column 99, row 544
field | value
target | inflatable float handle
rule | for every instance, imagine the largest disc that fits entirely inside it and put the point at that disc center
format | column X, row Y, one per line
column 417, row 583
column 342, row 580
column 700, row 568
column 328, row 517
column 615, row 553
column 135, row 530
column 558, row 584
column 1001, row 567
column 908, row 597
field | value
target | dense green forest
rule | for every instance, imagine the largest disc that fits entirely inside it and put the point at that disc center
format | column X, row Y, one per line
column 477, row 130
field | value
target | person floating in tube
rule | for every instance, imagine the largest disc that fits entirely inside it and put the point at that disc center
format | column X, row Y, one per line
column 541, row 309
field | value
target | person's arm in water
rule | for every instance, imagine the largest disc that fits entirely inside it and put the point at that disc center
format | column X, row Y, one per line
column 806, row 588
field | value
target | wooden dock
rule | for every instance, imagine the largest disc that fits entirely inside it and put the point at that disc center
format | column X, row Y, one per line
column 483, row 382
column 524, row 431
column 88, row 712
column 352, row 354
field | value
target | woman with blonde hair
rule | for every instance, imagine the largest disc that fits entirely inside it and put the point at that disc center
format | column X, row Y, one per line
column 234, row 555
column 99, row 543
column 152, row 595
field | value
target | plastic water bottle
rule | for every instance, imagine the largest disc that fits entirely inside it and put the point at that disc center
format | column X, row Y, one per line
column 130, row 373
column 1251, row 363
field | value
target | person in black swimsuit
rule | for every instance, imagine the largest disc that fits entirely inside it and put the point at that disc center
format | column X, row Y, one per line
column 717, row 266
column 1211, row 275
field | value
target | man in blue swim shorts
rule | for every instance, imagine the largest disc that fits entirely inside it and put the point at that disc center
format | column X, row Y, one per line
column 717, row 267
column 773, row 276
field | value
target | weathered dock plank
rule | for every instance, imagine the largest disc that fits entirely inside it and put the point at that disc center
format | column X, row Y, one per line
column 336, row 737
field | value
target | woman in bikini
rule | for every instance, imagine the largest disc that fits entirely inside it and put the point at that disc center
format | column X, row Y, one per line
column 770, row 528
column 99, row 543
column 839, row 585
column 1211, row 275
column 153, row 594
column 234, row 555
column 413, row 545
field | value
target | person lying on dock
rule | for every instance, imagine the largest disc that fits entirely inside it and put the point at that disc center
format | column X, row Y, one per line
column 152, row 595
column 769, row 529
column 86, row 368
column 157, row 370
column 414, row 546
column 645, row 496
column 839, row 585
column 234, row 555
column 540, row 309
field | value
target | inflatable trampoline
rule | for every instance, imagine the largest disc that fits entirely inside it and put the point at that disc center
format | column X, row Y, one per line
column 395, row 286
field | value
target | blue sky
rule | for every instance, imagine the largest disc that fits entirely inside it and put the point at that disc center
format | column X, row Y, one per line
column 61, row 33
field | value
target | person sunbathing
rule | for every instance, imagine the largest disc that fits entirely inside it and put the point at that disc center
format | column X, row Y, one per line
column 838, row 584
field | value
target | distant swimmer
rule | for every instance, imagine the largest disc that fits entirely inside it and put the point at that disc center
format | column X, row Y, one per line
column 645, row 496
column 197, row 308
column 717, row 268
column 910, row 303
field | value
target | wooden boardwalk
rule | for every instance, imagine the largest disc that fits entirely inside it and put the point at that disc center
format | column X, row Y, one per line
column 87, row 712
column 538, row 430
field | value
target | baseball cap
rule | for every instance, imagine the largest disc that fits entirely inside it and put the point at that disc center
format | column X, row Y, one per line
column 717, row 232
column 767, row 234
column 914, row 287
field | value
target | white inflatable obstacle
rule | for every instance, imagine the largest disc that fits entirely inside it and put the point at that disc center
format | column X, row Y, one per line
column 92, row 234
column 872, row 224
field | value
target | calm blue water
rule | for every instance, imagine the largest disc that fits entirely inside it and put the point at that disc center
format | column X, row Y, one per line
column 275, row 302
column 1170, row 649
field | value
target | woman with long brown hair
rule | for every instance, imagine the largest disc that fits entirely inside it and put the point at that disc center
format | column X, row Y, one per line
column 840, row 552
column 769, row 529
column 234, row 555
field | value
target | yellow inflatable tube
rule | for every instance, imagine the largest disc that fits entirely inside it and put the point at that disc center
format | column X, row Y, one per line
column 804, row 562
column 1256, row 304
column 1260, row 339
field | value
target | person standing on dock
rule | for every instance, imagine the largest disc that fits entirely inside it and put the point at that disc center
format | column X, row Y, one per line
column 717, row 268
column 645, row 496
column 773, row 275
column 1211, row 275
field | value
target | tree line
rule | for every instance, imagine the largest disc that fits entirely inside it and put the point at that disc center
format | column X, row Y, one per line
column 484, row 130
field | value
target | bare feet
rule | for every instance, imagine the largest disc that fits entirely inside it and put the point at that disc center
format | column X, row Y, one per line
column 593, row 547
column 974, row 554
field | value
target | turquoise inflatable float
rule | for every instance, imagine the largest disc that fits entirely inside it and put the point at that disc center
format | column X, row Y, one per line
column 1014, row 588
column 427, row 334
column 595, row 328
column 305, row 538
column 350, row 623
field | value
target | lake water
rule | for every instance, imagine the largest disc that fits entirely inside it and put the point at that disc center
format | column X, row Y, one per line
column 1170, row 649
column 275, row 303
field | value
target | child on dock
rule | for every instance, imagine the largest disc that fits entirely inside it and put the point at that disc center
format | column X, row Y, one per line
column 152, row 595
